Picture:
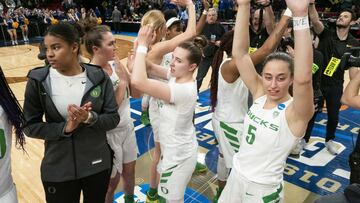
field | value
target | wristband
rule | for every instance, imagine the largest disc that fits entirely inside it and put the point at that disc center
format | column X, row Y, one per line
column 142, row 49
column 205, row 12
column 301, row 23
column 288, row 12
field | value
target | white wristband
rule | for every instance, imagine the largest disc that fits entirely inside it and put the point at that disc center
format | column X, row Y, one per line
column 204, row 12
column 142, row 49
column 288, row 12
column 301, row 23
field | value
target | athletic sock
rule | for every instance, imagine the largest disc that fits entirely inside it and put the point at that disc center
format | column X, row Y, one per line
column 129, row 198
column 152, row 192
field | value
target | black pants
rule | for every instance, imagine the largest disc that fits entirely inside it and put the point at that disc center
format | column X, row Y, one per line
column 332, row 95
column 117, row 27
column 317, row 102
column 202, row 70
column 94, row 189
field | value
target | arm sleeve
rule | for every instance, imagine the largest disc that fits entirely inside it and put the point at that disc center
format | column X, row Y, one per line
column 178, row 94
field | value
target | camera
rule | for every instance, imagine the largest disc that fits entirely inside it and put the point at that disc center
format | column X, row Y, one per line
column 351, row 58
column 287, row 41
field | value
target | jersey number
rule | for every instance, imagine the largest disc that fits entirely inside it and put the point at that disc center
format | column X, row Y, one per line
column 2, row 144
column 250, row 138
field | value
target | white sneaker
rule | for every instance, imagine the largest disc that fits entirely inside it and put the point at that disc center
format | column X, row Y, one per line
column 331, row 147
column 12, row 43
column 298, row 148
column 16, row 42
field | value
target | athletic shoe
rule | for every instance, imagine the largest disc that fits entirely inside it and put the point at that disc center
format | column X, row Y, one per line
column 330, row 146
column 295, row 153
column 12, row 43
column 152, row 199
column 200, row 168
column 16, row 42
column 145, row 118
column 217, row 195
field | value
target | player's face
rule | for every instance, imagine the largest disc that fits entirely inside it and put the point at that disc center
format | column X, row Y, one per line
column 180, row 65
column 276, row 79
column 60, row 53
column 108, row 47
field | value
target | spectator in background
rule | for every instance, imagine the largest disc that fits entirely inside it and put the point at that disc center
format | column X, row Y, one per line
column 68, row 4
column 333, row 44
column 213, row 31
column 97, row 12
column 83, row 13
column 262, row 23
column 116, row 19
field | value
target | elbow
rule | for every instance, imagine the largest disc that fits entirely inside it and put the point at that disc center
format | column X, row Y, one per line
column 136, row 83
column 305, row 81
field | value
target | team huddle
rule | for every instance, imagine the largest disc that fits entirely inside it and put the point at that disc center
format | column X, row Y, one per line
column 89, row 137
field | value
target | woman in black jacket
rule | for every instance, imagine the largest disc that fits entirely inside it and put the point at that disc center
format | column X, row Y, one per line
column 79, row 107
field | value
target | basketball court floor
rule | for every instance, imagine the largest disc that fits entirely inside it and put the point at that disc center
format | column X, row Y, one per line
column 315, row 173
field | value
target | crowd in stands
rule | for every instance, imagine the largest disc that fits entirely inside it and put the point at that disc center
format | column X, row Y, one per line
column 133, row 10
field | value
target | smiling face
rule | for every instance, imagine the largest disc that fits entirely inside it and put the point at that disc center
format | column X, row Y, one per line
column 180, row 65
column 106, row 51
column 276, row 79
column 60, row 53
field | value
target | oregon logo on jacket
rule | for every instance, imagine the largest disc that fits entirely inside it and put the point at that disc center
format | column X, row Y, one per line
column 96, row 92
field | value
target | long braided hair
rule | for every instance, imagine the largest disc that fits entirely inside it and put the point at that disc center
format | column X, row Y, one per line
column 13, row 110
column 225, row 45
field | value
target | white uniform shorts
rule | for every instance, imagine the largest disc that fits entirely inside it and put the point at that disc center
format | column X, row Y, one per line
column 173, row 181
column 122, row 141
column 240, row 190
column 10, row 196
column 229, row 137
column 154, row 116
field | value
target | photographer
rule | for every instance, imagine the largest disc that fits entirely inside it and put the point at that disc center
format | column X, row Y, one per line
column 333, row 44
column 262, row 23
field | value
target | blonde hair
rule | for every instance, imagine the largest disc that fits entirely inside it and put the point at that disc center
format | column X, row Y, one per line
column 154, row 18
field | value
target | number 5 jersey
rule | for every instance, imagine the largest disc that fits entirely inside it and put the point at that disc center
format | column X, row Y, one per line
column 266, row 143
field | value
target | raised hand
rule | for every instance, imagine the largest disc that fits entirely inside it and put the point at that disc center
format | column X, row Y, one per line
column 298, row 7
column 120, row 70
column 146, row 35
column 182, row 2
column 243, row 2
column 206, row 5
column 130, row 61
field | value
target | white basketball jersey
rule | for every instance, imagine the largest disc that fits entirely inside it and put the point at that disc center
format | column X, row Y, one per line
column 232, row 99
column 124, row 107
column 6, row 180
column 176, row 129
column 267, row 142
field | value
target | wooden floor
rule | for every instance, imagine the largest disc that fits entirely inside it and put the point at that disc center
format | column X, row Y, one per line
column 16, row 61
